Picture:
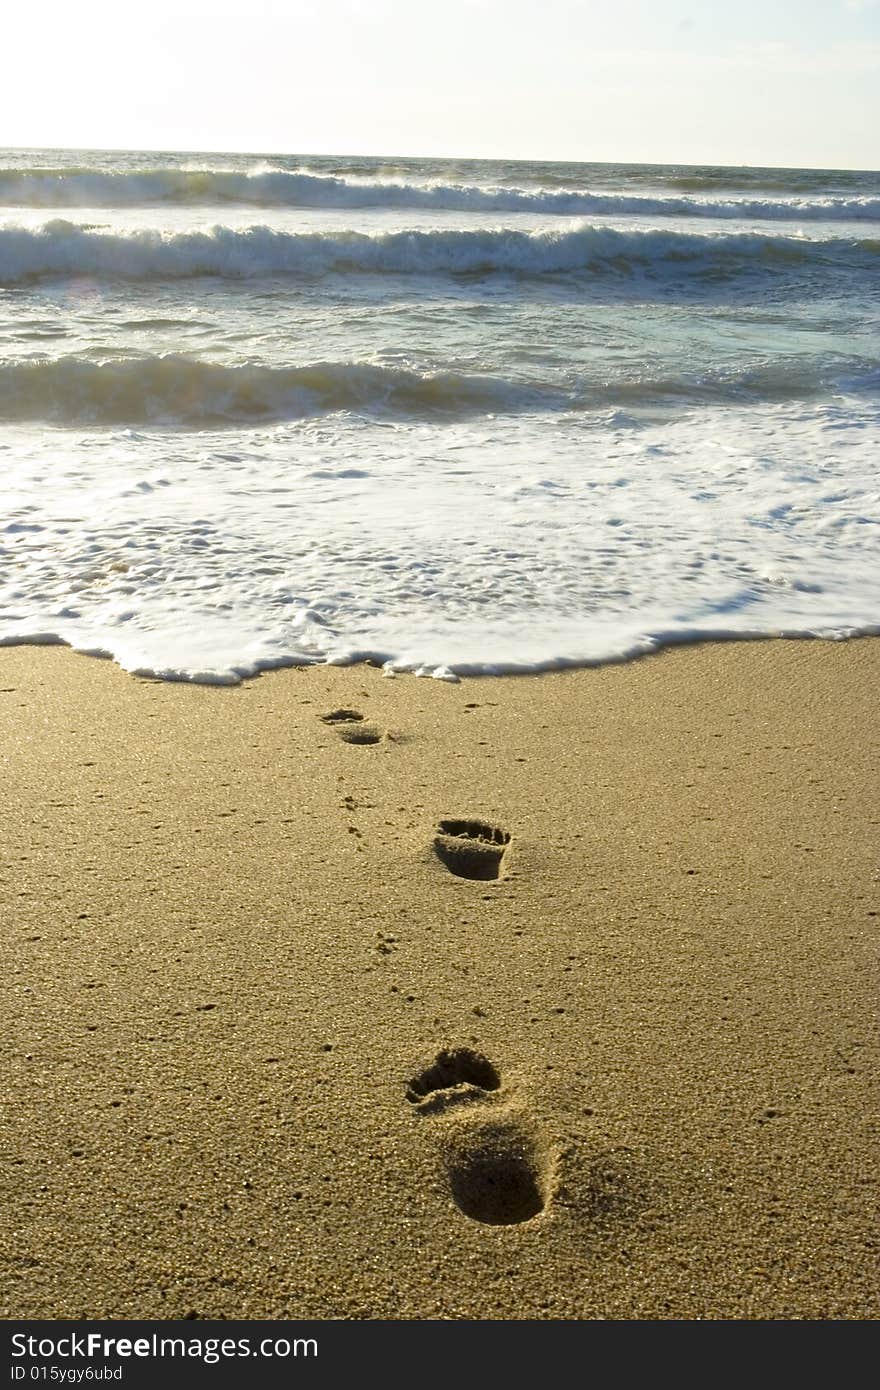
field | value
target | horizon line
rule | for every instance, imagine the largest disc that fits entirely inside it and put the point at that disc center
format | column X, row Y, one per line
column 449, row 158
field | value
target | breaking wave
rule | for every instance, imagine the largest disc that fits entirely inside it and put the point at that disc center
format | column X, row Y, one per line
column 188, row 392
column 61, row 248
column 68, row 188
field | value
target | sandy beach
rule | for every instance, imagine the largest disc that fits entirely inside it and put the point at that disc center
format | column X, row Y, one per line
column 238, row 936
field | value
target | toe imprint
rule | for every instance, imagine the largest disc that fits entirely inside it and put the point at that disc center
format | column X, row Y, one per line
column 454, row 1075
column 342, row 716
column 350, row 725
column 471, row 848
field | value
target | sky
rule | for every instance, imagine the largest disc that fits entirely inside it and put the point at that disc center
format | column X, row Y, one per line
column 766, row 82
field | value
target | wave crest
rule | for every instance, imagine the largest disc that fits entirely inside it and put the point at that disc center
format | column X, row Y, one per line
column 69, row 188
column 191, row 393
column 60, row 248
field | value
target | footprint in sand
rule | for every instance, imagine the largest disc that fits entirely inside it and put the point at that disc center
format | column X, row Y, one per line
column 351, row 727
column 471, row 848
column 499, row 1166
column 453, row 1076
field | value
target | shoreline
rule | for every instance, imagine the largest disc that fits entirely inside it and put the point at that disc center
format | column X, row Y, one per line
column 232, row 944
column 453, row 675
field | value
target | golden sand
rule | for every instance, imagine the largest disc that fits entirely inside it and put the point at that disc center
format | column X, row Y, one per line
column 267, row 1053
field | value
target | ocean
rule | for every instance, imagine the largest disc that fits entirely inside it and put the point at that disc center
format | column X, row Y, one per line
column 454, row 417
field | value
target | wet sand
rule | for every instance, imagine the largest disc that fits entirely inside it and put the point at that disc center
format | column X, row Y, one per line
column 271, row 1049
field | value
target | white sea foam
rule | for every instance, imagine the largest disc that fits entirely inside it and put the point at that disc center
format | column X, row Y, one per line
column 521, row 545
column 268, row 187
column 61, row 248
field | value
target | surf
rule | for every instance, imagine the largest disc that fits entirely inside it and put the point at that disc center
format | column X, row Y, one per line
column 185, row 392
column 61, row 248
column 279, row 188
